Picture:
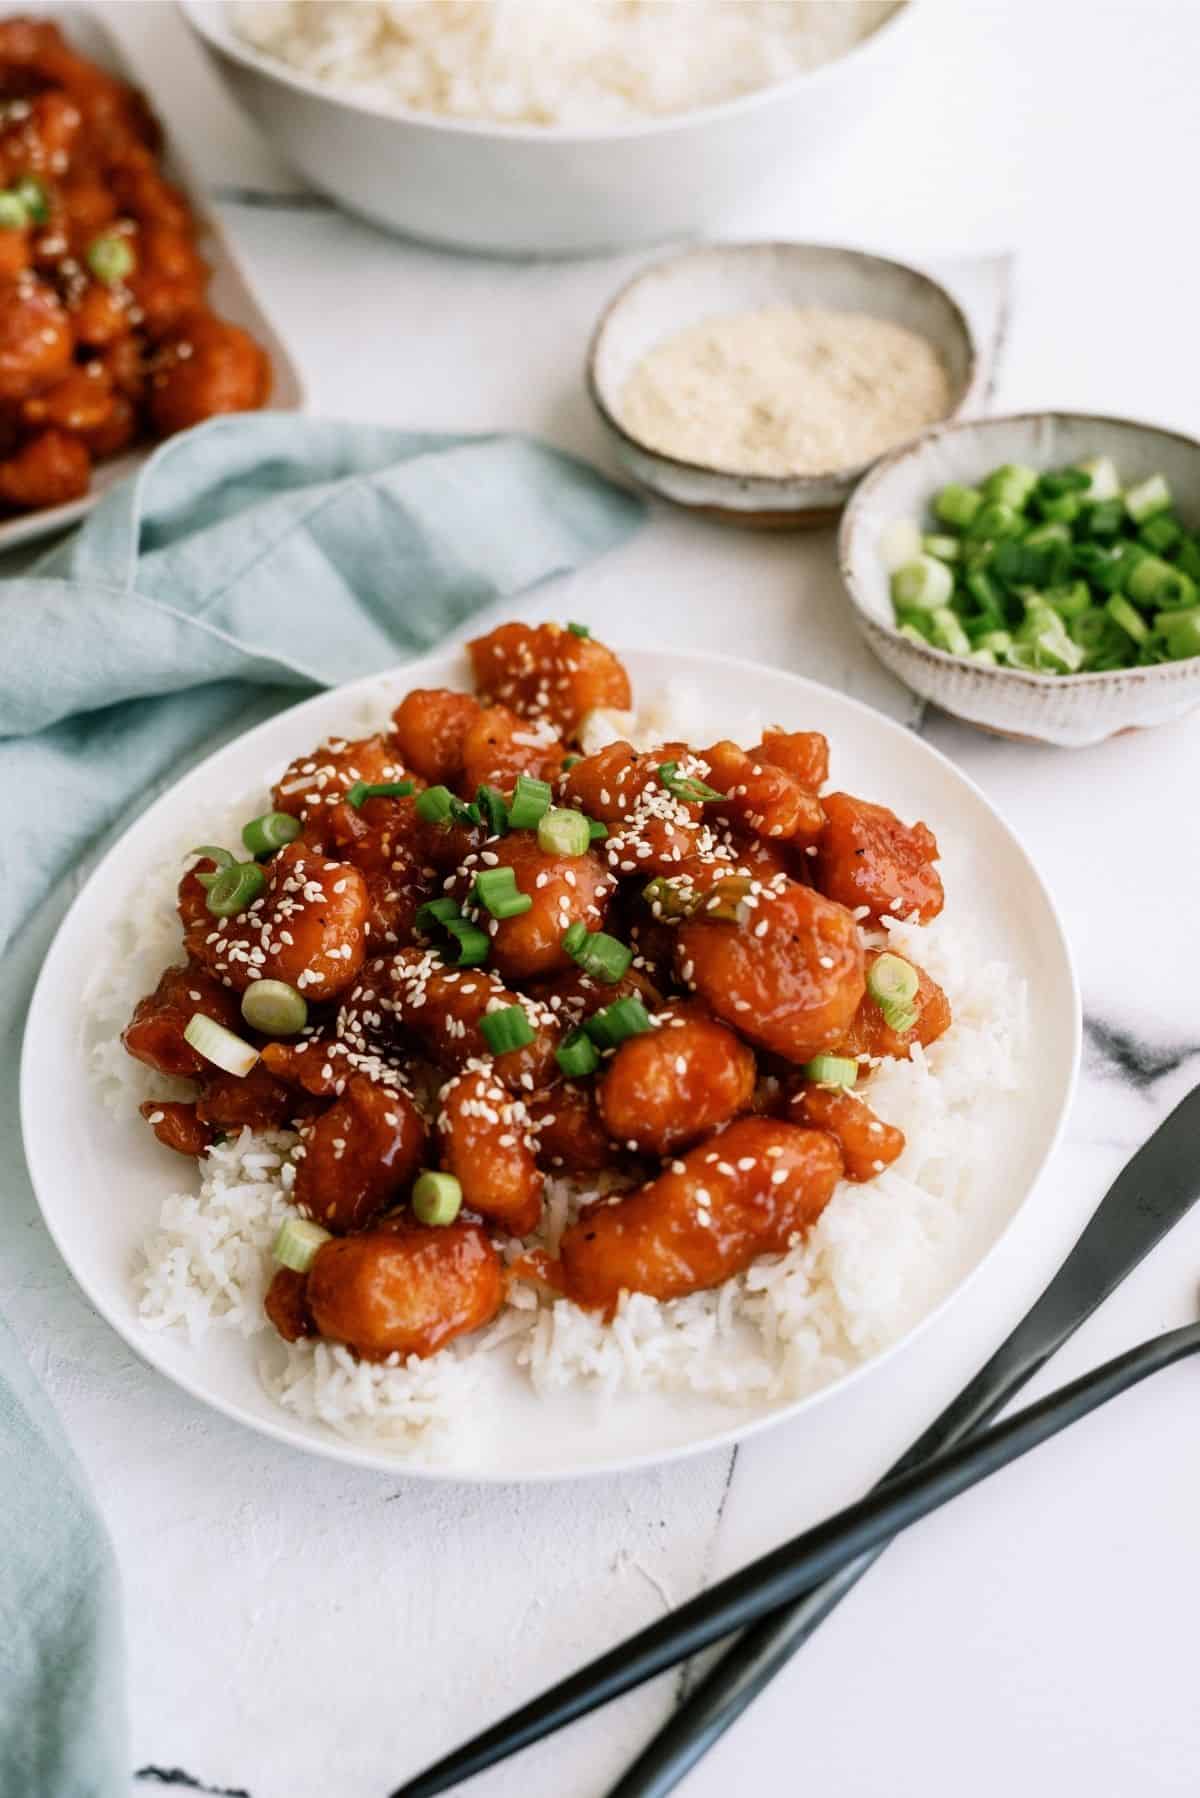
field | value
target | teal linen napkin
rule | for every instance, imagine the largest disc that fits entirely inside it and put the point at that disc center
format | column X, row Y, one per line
column 251, row 560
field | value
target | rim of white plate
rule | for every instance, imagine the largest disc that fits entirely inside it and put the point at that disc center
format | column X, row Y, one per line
column 352, row 1453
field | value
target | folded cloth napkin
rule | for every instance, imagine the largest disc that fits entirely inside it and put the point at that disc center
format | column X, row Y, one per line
column 252, row 556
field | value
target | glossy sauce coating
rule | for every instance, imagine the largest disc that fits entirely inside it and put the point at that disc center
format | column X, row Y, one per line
column 286, row 1305
column 650, row 830
column 500, row 745
column 868, row 1145
column 790, row 977
column 760, row 798
column 867, row 857
column 405, row 1290
column 313, row 784
column 485, row 1143
column 871, row 1034
column 431, row 725
column 751, row 1190
column 154, row 1034
column 804, row 754
column 548, row 672
column 176, row 1126
column 562, row 889
column 569, row 1131
column 675, row 1083
column 358, row 1156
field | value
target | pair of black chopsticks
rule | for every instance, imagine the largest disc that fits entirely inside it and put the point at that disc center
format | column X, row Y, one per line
column 782, row 1597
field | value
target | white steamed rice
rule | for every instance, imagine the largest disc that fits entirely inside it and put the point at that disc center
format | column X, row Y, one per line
column 583, row 64
column 881, row 1256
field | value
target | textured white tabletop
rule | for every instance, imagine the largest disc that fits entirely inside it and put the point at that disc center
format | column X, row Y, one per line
column 298, row 1629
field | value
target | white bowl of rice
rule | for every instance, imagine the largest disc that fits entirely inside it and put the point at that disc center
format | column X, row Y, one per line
column 552, row 126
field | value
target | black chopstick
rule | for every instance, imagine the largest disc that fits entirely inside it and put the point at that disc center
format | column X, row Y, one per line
column 780, row 1577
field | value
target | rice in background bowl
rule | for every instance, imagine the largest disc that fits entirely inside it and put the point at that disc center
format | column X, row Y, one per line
column 528, row 127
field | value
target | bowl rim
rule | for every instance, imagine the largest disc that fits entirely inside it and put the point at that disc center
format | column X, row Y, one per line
column 1164, row 673
column 770, row 483
column 229, row 45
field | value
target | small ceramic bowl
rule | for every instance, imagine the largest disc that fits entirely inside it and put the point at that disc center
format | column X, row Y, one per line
column 1069, row 710
column 722, row 279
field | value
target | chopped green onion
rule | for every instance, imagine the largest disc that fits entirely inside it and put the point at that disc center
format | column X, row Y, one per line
column 596, row 830
column 998, row 643
column 1153, row 582
column 493, row 810
column 436, row 1198
column 831, row 1070
column 922, row 585
column 220, row 1046
column 1010, row 485
column 996, row 519
column 1180, row 632
column 579, row 630
column 433, row 914
column 900, row 543
column 1055, row 482
column 1072, row 601
column 667, row 900
column 957, row 505
column 507, row 1029
column 1063, row 509
column 262, row 836
column 274, row 1008
column 211, row 853
column 569, row 761
column 987, row 658
column 563, row 832
column 496, row 890
column 946, row 632
column 605, row 957
column 435, row 805
column 623, row 1018
column 1147, row 498
column 13, row 214
column 1160, row 534
column 893, row 984
column 1104, row 519
column 913, row 634
column 686, row 786
column 577, row 1056
column 297, row 1243
column 946, row 549
column 110, row 258
column 34, row 198
column 233, row 889
column 530, row 801
column 363, row 790
column 468, row 947
column 1129, row 619
column 1103, row 481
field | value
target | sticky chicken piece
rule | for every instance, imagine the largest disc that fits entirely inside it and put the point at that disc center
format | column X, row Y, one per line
column 177, row 1127
column 871, row 1034
column 866, row 856
column 380, row 839
column 675, row 1083
column 753, row 1189
column 307, row 928
column 313, row 784
column 804, row 754
column 569, row 1131
column 80, row 401
column 315, row 1065
column 154, row 1034
column 574, row 995
column 650, row 830
column 404, row 1289
column 548, row 672
column 563, row 890
column 100, row 315
column 431, row 725
column 38, row 138
column 499, row 745
column 115, row 431
column 788, row 974
column 15, row 254
column 254, row 1101
column 286, row 1305
column 485, row 1144
column 868, row 1145
column 204, row 366
column 35, row 338
column 358, row 1157
column 168, row 281
column 441, row 1008
column 48, row 469
column 762, row 799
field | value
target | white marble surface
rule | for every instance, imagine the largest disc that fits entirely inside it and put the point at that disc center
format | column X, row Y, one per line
column 300, row 1630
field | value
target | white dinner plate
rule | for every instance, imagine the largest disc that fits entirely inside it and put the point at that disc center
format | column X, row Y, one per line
column 229, row 291
column 100, row 1181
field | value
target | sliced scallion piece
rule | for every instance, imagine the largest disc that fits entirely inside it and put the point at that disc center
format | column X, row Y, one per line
column 577, row 1056
column 435, row 805
column 1128, row 617
column 220, row 1046
column 1103, row 480
column 363, row 790
column 531, row 800
column 604, row 957
column 893, row 984
column 436, row 1198
column 1147, row 498
column 596, row 830
column 562, row 831
column 899, row 543
column 957, row 505
column 922, row 585
column 468, row 945
column 507, row 1029
column 433, row 914
column 274, row 1008
column 496, row 890
column 34, row 198
column 831, row 1070
column 1180, row 632
column 686, row 786
column 579, row 630
column 623, row 1018
column 493, row 810
column 1010, row 485
column 110, row 258
column 263, row 836
column 297, row 1243
column 233, row 889
column 212, row 853
column 13, row 216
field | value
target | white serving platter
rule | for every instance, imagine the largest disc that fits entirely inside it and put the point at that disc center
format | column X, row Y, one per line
column 231, row 292
column 100, row 1181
